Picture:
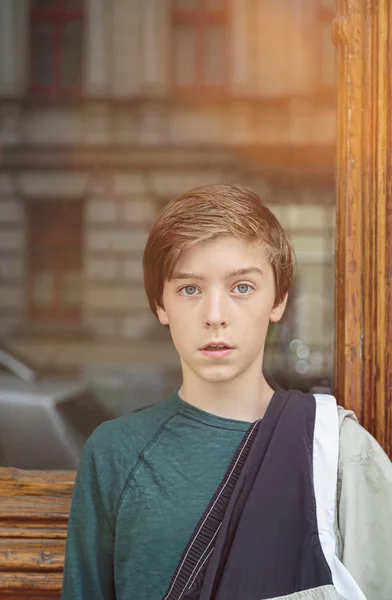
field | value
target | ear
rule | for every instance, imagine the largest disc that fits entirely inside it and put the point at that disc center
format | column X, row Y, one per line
column 162, row 316
column 278, row 311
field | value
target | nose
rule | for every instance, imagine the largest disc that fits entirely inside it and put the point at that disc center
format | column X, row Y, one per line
column 215, row 311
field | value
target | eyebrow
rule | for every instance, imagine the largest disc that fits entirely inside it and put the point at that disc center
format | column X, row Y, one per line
column 235, row 273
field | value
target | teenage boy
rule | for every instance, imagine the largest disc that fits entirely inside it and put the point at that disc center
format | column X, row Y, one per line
column 228, row 490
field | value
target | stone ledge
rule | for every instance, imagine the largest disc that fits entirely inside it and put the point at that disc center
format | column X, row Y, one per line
column 74, row 354
column 33, row 330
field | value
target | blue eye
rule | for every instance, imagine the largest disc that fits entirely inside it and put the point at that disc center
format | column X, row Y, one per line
column 192, row 288
column 244, row 288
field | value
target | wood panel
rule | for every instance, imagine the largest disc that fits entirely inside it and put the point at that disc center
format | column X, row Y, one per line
column 363, row 360
column 34, row 508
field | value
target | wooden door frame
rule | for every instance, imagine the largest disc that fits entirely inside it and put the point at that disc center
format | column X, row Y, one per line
column 363, row 348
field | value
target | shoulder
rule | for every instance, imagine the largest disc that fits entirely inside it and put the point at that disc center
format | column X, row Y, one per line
column 112, row 452
column 364, row 468
column 130, row 432
column 362, row 463
column 356, row 445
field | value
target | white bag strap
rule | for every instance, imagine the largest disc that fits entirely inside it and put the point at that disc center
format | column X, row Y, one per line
column 325, row 476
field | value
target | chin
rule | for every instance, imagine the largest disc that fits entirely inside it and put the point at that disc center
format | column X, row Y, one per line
column 218, row 375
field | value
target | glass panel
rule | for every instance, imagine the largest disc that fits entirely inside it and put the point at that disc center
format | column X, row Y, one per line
column 327, row 5
column 11, row 364
column 55, row 224
column 327, row 56
column 299, row 352
column 82, row 413
column 71, row 257
column 41, row 258
column 43, row 289
column 71, row 292
column 81, row 271
column 40, row 217
column 181, row 4
column 56, row 252
column 185, row 55
column 75, row 4
column 214, row 55
column 42, row 4
column 69, row 214
column 71, row 59
column 215, row 4
column 41, row 54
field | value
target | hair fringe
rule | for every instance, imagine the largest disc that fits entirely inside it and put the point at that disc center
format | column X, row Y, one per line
column 206, row 213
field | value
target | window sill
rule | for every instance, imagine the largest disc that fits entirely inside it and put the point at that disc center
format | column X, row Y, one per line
column 32, row 330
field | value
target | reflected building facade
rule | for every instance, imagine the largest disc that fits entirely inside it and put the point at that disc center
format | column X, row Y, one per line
column 107, row 110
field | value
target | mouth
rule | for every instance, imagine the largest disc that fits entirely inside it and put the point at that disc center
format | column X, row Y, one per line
column 217, row 346
column 217, row 350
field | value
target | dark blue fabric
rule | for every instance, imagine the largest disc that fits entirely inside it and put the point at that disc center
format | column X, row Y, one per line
column 202, row 539
column 268, row 543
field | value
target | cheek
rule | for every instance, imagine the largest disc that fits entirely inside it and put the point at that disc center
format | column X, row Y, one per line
column 259, row 311
column 179, row 321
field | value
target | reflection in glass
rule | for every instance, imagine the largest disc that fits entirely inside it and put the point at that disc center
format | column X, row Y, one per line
column 74, row 4
column 82, row 413
column 215, row 4
column 80, row 270
column 43, row 289
column 215, row 55
column 329, row 5
column 299, row 350
column 180, row 4
column 185, row 55
column 71, row 57
column 41, row 59
column 327, row 60
column 42, row 4
column 71, row 289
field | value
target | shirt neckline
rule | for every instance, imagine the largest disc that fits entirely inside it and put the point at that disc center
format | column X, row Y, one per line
column 195, row 413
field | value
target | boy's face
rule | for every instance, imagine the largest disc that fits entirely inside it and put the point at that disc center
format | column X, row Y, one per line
column 212, row 297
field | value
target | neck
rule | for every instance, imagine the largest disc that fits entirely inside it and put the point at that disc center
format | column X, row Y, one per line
column 244, row 399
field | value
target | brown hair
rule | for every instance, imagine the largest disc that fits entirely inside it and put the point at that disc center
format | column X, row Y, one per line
column 205, row 213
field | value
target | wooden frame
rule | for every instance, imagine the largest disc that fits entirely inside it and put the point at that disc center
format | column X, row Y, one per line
column 363, row 33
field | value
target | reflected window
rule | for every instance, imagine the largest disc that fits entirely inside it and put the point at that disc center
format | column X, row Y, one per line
column 56, row 46
column 299, row 350
column 199, row 46
column 55, row 260
column 325, row 56
column 82, row 414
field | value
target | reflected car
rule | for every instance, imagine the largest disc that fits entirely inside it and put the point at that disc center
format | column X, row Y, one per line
column 44, row 421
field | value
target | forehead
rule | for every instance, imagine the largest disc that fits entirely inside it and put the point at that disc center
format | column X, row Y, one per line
column 221, row 255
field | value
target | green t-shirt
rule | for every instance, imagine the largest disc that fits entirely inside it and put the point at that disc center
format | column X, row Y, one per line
column 143, row 483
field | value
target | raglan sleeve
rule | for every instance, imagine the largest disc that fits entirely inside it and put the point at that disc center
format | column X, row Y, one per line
column 365, row 511
column 88, row 568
